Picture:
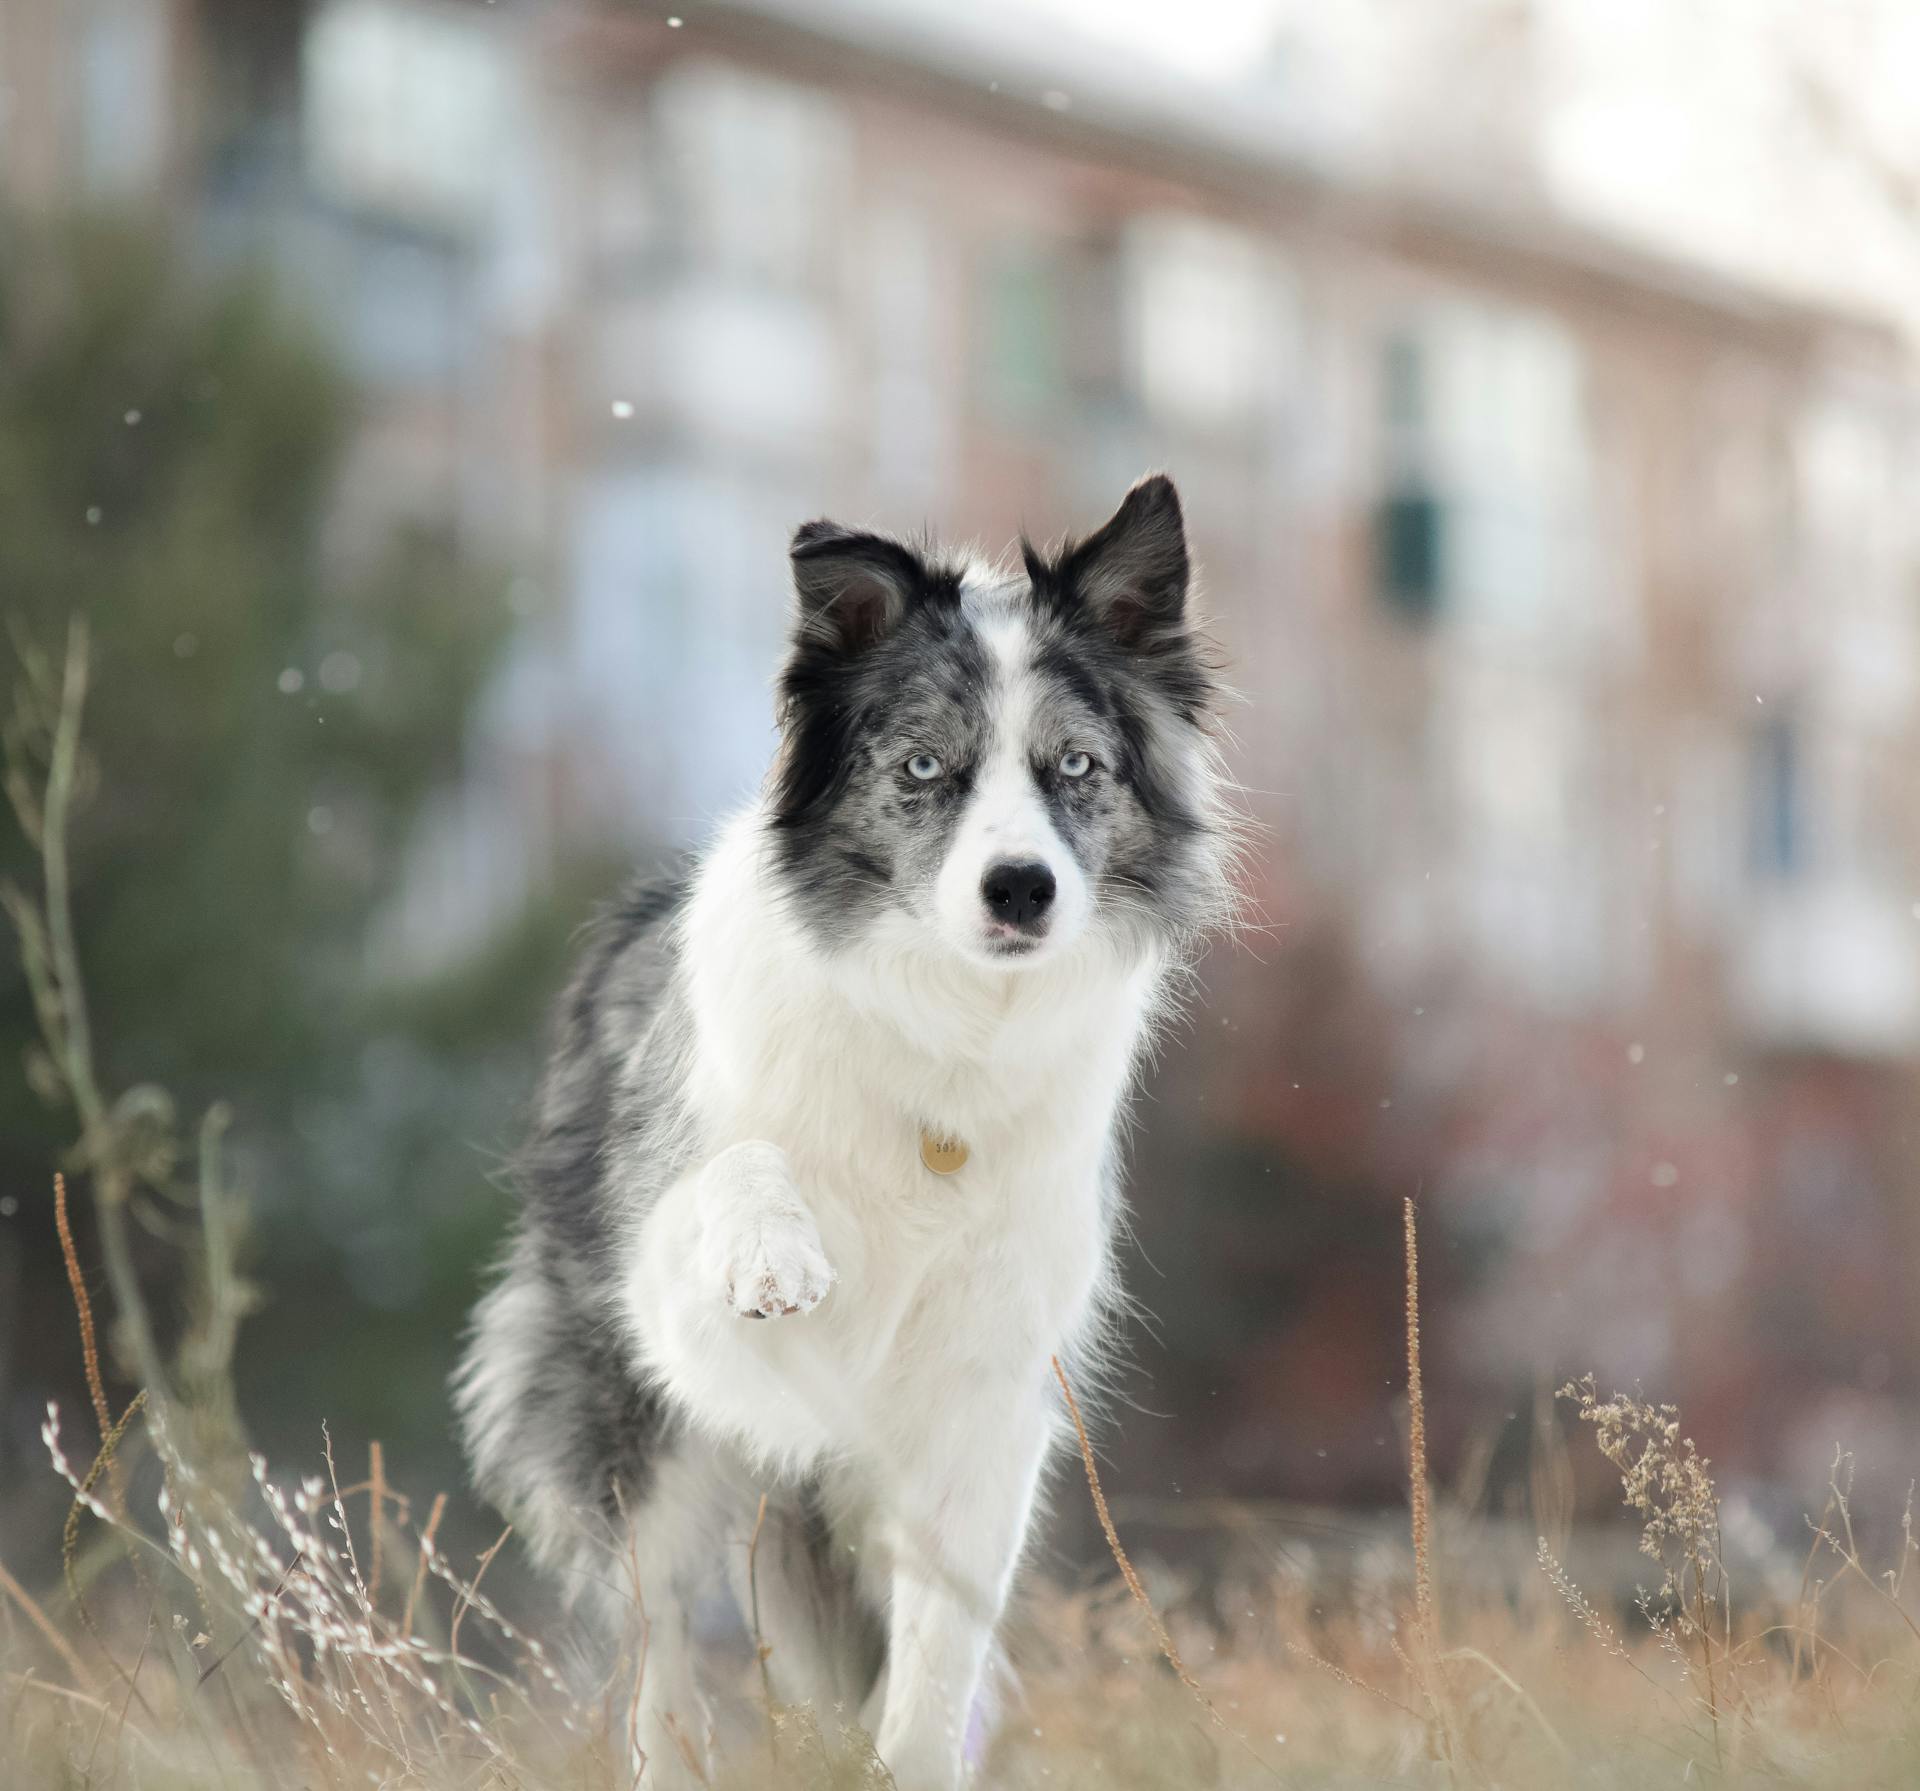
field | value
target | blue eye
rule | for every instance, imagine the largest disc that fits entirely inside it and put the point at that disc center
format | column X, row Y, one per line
column 1075, row 764
column 924, row 767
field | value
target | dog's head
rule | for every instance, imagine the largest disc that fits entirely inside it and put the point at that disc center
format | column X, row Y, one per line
column 1001, row 762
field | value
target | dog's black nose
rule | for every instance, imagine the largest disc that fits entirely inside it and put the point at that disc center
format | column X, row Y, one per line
column 1020, row 894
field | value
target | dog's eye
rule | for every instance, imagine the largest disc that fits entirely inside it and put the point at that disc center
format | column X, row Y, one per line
column 924, row 767
column 1075, row 764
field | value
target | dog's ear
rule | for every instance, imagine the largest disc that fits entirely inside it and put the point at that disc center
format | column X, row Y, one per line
column 1131, row 574
column 853, row 588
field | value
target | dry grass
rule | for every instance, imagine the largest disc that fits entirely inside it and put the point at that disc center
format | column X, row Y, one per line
column 257, row 1648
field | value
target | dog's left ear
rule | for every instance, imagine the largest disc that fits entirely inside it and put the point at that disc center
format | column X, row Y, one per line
column 853, row 588
column 1131, row 574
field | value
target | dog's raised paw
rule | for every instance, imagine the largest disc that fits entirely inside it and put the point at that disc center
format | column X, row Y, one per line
column 777, row 1269
column 759, row 1241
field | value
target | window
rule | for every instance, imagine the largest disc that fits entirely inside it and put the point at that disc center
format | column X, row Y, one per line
column 622, row 204
column 1410, row 551
column 1207, row 321
column 124, row 81
column 909, row 434
column 1024, row 371
column 1406, row 376
column 1545, row 901
column 402, row 110
column 670, row 635
column 1860, row 552
column 400, row 311
column 1486, row 507
column 755, row 169
column 1778, row 842
column 1411, row 514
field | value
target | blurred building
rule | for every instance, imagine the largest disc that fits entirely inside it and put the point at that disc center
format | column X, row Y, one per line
column 1573, row 593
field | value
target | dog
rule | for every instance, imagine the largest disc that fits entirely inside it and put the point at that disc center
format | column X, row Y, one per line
column 825, row 1168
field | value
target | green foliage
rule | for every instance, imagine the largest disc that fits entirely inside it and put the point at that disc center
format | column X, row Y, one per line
column 188, row 537
column 266, row 715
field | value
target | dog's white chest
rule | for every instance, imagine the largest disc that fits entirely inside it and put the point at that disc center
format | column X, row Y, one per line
column 949, row 1136
column 989, row 1252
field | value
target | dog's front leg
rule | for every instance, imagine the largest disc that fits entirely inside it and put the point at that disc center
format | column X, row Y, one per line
column 732, row 1240
column 958, row 1522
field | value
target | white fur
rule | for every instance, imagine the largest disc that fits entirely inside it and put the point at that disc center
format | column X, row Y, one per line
column 922, row 1378
column 1006, row 820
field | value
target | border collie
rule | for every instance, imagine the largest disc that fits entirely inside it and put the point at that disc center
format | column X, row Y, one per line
column 826, row 1161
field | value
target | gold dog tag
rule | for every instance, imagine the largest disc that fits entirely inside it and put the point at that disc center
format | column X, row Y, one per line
column 944, row 1156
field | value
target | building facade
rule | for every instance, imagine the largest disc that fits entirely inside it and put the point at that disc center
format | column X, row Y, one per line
column 1572, row 593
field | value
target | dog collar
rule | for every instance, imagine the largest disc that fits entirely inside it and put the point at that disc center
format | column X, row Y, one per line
column 944, row 1156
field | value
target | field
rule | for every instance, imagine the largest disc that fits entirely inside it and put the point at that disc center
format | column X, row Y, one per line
column 212, row 1620
column 256, row 1632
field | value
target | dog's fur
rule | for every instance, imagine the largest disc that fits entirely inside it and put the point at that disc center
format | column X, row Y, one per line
column 730, row 1130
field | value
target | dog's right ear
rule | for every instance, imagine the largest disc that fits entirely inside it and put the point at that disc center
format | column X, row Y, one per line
column 853, row 588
